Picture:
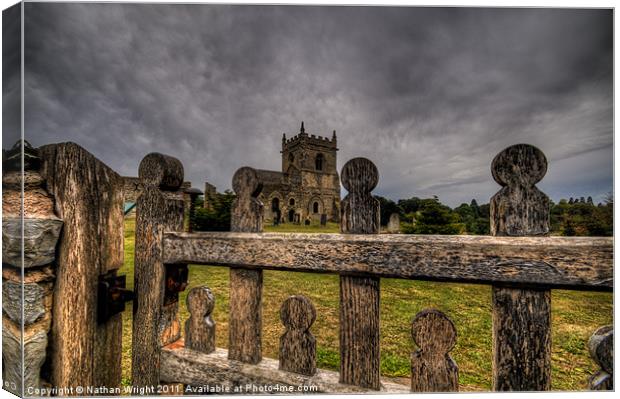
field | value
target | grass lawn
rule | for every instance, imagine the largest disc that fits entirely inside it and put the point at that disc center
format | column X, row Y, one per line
column 575, row 315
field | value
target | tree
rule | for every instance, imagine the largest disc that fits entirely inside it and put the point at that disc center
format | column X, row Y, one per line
column 474, row 207
column 582, row 218
column 410, row 205
column 436, row 218
column 217, row 217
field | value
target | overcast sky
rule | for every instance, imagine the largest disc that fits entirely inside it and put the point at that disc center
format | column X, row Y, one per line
column 430, row 95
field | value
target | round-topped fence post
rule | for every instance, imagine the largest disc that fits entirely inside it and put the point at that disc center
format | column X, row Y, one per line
column 297, row 344
column 521, row 316
column 432, row 367
column 359, row 295
column 246, row 285
column 160, row 207
column 601, row 347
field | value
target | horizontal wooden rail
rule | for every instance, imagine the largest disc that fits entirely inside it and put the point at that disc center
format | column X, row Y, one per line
column 578, row 263
column 216, row 371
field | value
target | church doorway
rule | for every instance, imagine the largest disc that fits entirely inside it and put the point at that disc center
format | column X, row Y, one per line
column 275, row 209
column 291, row 215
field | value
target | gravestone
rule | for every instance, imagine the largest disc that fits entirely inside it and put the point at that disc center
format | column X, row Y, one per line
column 393, row 226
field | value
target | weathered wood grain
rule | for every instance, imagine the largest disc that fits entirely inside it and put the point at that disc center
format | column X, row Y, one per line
column 519, row 208
column 432, row 368
column 582, row 263
column 359, row 331
column 245, row 320
column 88, row 197
column 297, row 345
column 359, row 295
column 521, row 317
column 246, row 285
column 159, row 208
column 162, row 171
column 200, row 327
column 169, row 324
column 359, row 212
column 601, row 347
column 107, row 337
column 216, row 369
column 176, row 277
column 247, row 210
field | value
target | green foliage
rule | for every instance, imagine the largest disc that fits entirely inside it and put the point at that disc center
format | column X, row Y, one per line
column 410, row 206
column 475, row 217
column 216, row 217
column 433, row 217
column 582, row 218
column 575, row 217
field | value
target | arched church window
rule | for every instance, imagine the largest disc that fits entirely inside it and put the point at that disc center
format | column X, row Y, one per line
column 315, row 207
column 318, row 162
column 291, row 202
column 291, row 158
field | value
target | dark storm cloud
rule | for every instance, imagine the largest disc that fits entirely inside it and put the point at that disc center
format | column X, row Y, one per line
column 430, row 95
column 11, row 75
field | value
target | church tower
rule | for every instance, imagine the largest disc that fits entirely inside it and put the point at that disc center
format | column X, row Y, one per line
column 309, row 163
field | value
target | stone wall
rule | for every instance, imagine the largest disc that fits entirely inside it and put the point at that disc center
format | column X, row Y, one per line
column 41, row 230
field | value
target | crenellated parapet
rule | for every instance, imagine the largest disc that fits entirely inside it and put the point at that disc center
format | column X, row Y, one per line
column 311, row 139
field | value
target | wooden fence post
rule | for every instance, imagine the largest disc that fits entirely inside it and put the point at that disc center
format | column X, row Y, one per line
column 88, row 197
column 432, row 368
column 200, row 327
column 521, row 317
column 246, row 285
column 601, row 346
column 297, row 344
column 159, row 208
column 359, row 296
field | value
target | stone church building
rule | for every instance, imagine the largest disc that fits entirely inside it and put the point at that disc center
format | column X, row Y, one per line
column 308, row 185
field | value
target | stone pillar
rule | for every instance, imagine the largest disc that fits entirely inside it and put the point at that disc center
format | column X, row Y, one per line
column 33, row 292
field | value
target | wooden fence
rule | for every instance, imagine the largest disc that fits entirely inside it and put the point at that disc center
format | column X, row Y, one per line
column 63, row 300
column 520, row 261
